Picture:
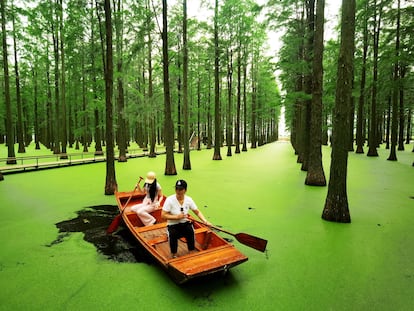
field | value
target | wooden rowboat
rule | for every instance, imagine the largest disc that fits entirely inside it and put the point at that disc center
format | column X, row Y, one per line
column 213, row 254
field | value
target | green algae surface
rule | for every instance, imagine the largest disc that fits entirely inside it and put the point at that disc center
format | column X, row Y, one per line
column 310, row 264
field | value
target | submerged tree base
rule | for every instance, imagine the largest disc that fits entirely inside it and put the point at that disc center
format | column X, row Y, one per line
column 315, row 179
column 336, row 211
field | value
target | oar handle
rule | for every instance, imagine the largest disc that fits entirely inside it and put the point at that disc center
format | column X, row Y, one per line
column 211, row 226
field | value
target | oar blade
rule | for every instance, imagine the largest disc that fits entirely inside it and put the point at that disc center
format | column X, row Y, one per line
column 114, row 224
column 251, row 241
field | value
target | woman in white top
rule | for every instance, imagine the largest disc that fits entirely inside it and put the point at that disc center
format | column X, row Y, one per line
column 152, row 200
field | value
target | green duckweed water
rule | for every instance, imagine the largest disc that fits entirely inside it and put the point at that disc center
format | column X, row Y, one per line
column 310, row 264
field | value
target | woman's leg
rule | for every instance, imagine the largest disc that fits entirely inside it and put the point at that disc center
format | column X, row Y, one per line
column 144, row 211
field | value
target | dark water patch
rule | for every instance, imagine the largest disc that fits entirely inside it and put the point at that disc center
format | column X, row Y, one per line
column 93, row 222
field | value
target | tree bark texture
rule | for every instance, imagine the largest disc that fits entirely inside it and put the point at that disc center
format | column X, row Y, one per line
column 168, row 127
column 217, row 127
column 315, row 175
column 110, row 185
column 336, row 204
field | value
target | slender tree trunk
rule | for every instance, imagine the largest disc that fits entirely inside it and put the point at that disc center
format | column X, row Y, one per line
column 153, row 137
column 97, row 126
column 63, row 130
column 336, row 204
column 186, row 161
column 401, row 111
column 388, row 123
column 56, row 52
column 209, row 116
column 84, row 107
column 253, row 136
column 169, row 128
column 395, row 93
column 229, row 121
column 238, row 106
column 11, row 157
column 111, row 184
column 297, row 136
column 217, row 125
column 244, row 148
column 360, row 136
column 373, row 131
column 20, row 138
column 408, row 132
column 49, row 108
column 122, row 143
column 179, row 107
column 37, row 135
column 308, row 58
column 201, row 124
column 315, row 175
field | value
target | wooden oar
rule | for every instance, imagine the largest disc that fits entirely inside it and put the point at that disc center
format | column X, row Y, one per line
column 117, row 220
column 244, row 238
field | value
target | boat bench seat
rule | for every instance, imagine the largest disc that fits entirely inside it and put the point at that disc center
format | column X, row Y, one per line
column 160, row 239
column 201, row 230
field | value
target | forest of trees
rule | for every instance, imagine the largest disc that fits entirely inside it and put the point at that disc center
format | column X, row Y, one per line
column 383, row 77
column 368, row 85
column 57, row 51
column 170, row 78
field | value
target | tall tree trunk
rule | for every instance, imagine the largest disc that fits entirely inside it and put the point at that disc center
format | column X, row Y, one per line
column 97, row 126
column 408, row 131
column 336, row 204
column 122, row 144
column 402, row 72
column 199, row 131
column 110, row 184
column 11, row 157
column 84, row 107
column 308, row 58
column 169, row 128
column 19, row 125
column 56, row 52
column 229, row 121
column 152, row 152
column 217, row 125
column 315, row 175
column 244, row 148
column 297, row 136
column 395, row 92
column 49, row 108
column 37, row 136
column 388, row 122
column 373, row 131
column 186, row 161
column 63, row 130
column 360, row 136
column 253, row 136
column 238, row 105
column 179, row 108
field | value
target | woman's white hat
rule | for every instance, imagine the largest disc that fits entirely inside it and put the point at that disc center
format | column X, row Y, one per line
column 150, row 177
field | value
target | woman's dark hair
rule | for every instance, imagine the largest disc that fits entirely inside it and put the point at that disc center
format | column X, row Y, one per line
column 153, row 190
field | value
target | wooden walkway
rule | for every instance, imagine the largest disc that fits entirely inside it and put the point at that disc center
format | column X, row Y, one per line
column 26, row 164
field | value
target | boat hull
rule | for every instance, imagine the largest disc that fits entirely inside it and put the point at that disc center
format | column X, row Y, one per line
column 212, row 255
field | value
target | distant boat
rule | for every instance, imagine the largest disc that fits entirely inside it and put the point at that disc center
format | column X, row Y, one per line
column 213, row 254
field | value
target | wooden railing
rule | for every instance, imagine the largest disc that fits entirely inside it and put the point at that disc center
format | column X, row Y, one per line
column 59, row 160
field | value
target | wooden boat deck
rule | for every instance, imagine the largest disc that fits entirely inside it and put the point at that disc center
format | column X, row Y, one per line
column 212, row 253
